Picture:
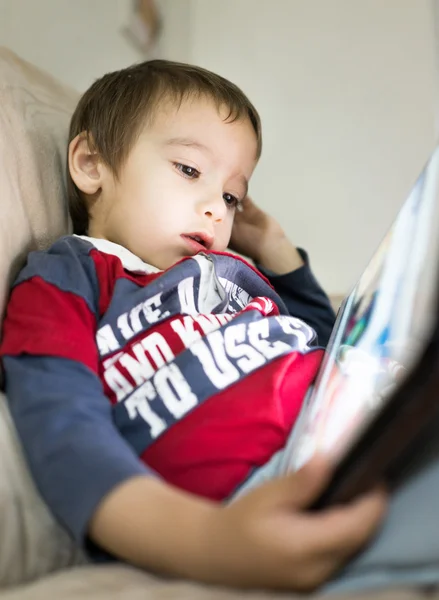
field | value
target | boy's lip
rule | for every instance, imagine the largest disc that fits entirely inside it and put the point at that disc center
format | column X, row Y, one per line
column 201, row 239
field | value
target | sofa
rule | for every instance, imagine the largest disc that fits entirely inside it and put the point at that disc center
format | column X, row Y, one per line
column 38, row 559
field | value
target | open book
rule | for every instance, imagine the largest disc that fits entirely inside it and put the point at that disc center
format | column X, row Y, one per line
column 378, row 386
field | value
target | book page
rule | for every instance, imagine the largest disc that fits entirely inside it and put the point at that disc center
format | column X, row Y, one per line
column 380, row 330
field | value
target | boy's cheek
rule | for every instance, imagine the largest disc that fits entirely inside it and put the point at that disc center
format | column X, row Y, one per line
column 222, row 242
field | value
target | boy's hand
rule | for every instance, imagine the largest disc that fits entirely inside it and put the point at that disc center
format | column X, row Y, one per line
column 260, row 237
column 273, row 542
column 264, row 539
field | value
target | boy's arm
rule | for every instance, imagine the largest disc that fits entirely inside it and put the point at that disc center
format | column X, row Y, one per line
column 265, row 539
column 260, row 237
column 300, row 291
column 64, row 422
column 51, row 363
column 91, row 479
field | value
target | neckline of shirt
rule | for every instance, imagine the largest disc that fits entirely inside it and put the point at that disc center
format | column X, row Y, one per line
column 129, row 261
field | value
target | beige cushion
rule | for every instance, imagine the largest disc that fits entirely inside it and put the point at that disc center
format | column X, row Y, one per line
column 120, row 582
column 34, row 117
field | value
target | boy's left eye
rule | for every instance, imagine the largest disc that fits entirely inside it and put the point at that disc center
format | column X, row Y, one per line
column 193, row 173
column 187, row 171
column 230, row 200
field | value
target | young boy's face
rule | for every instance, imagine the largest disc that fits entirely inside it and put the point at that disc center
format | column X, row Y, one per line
column 178, row 190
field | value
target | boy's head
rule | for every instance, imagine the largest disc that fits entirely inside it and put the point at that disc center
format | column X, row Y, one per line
column 160, row 155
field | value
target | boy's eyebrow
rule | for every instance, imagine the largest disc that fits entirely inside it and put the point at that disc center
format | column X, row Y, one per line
column 188, row 142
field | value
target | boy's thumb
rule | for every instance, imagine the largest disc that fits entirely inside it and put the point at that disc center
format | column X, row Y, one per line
column 302, row 488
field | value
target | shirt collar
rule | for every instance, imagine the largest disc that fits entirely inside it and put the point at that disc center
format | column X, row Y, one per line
column 129, row 261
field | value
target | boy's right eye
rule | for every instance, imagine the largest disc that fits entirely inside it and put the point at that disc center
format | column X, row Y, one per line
column 187, row 171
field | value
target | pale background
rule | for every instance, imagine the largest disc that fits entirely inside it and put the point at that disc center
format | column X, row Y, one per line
column 346, row 90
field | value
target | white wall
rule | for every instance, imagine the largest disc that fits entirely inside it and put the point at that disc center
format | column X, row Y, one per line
column 345, row 90
column 344, row 87
column 176, row 41
column 75, row 40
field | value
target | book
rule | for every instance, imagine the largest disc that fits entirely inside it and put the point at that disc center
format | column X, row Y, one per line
column 377, row 389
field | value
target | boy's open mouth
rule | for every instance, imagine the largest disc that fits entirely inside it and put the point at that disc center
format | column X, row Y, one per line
column 199, row 240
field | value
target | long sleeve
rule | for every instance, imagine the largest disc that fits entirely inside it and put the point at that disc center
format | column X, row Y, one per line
column 74, row 451
column 305, row 298
column 63, row 418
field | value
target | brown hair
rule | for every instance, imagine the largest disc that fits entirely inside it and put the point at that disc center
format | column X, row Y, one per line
column 113, row 111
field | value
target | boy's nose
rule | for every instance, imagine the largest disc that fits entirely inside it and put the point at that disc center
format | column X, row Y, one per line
column 213, row 215
column 215, row 208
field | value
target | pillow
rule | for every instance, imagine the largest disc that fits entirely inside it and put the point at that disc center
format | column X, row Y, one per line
column 34, row 116
column 33, row 543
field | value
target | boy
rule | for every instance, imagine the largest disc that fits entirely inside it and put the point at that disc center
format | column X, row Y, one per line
column 203, row 366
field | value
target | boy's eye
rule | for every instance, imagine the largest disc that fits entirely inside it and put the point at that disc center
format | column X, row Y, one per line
column 231, row 201
column 187, row 171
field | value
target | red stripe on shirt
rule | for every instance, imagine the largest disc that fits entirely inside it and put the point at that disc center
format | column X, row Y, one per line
column 215, row 447
column 44, row 320
column 109, row 269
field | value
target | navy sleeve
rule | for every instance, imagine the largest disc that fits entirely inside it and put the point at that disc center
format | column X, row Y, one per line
column 51, row 366
column 305, row 298
column 64, row 421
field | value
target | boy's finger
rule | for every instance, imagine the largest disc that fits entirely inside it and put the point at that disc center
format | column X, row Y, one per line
column 309, row 482
column 247, row 202
column 348, row 528
column 249, row 207
column 317, row 572
column 300, row 489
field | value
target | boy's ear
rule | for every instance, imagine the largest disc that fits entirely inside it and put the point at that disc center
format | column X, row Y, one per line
column 85, row 168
